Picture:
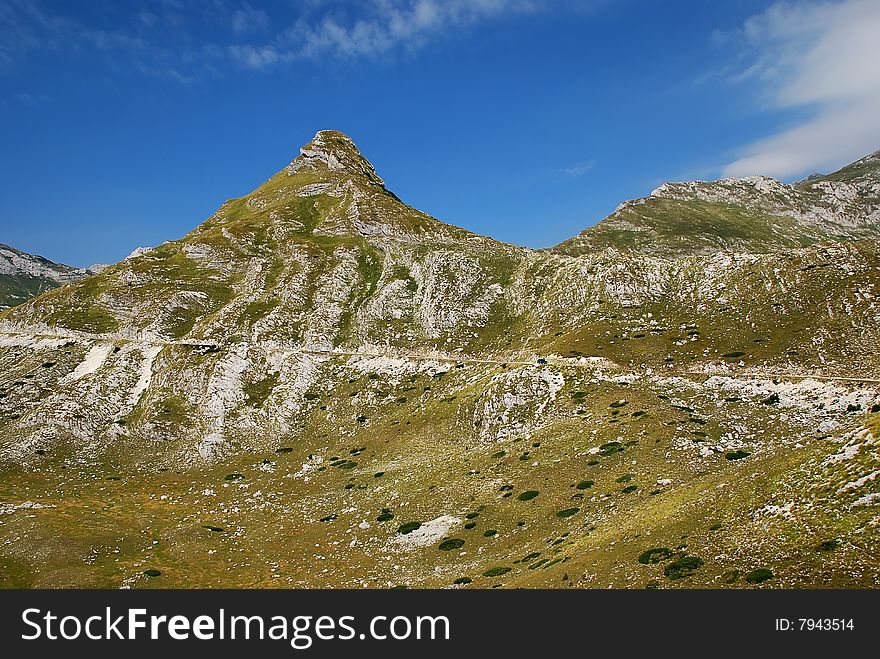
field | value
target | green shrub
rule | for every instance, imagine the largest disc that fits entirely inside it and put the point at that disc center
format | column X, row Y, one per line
column 619, row 403
column 496, row 571
column 470, row 525
column 409, row 527
column 152, row 572
column 585, row 485
column 233, row 477
column 624, row 479
column 452, row 543
column 737, row 455
column 472, row 515
column 528, row 495
column 610, row 448
column 829, row 545
column 462, row 580
column 655, row 555
column 499, row 454
column 629, row 489
column 215, row 529
column 683, row 567
column 568, row 512
column 386, row 516
column 760, row 575
column 489, row 533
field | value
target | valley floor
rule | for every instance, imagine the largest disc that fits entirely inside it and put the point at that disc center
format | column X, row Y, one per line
column 428, row 471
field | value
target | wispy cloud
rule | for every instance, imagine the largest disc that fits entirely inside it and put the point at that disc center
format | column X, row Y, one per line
column 820, row 57
column 187, row 40
column 247, row 19
column 32, row 100
column 375, row 28
column 256, row 57
column 578, row 169
column 27, row 26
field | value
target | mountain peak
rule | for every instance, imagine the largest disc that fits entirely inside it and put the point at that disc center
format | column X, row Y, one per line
column 331, row 151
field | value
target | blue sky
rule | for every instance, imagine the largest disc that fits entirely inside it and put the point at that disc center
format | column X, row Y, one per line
column 126, row 123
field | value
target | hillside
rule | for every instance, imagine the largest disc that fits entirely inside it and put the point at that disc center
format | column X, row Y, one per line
column 755, row 214
column 321, row 386
column 23, row 276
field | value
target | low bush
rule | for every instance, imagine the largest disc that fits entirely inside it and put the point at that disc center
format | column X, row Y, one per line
column 655, row 555
column 759, row 576
column 683, row 567
column 452, row 543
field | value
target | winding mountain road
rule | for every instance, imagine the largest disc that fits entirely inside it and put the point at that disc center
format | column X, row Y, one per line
column 593, row 363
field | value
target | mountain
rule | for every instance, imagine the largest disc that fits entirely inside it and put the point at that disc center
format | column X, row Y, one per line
column 322, row 234
column 23, row 276
column 755, row 214
column 322, row 386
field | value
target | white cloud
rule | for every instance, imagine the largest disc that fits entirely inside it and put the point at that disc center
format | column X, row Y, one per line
column 30, row 99
column 255, row 57
column 148, row 18
column 384, row 25
column 821, row 57
column 578, row 169
column 246, row 19
column 309, row 29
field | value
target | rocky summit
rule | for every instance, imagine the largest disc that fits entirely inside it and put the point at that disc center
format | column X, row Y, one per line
column 320, row 386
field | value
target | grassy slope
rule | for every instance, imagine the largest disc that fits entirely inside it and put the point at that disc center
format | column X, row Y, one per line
column 679, row 226
column 414, row 457
column 15, row 289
